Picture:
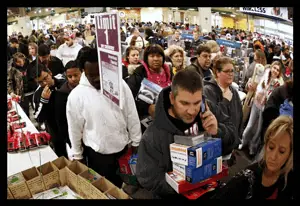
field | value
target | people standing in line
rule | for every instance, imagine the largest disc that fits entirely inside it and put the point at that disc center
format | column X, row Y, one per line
column 73, row 74
column 271, row 80
column 68, row 51
column 140, row 43
column 33, row 51
column 48, row 41
column 13, row 47
column 177, row 113
column 176, row 58
column 133, row 32
column 44, row 102
column 225, row 99
column 175, row 40
column 52, row 63
column 103, row 135
column 272, row 176
column 131, row 61
column 32, row 37
column 79, row 39
column 202, row 62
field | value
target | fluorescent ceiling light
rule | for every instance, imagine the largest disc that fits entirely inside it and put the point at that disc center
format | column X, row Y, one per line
column 175, row 8
column 150, row 8
column 35, row 12
column 46, row 9
column 223, row 13
column 56, row 14
column 192, row 9
column 232, row 15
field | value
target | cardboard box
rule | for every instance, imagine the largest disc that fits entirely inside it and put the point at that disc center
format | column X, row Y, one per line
column 198, row 155
column 68, row 194
column 180, row 185
column 98, row 186
column 48, row 194
column 34, row 180
column 84, row 181
column 194, row 175
column 116, row 193
column 61, row 163
column 9, row 194
column 74, row 169
column 179, row 153
column 18, row 187
column 50, row 175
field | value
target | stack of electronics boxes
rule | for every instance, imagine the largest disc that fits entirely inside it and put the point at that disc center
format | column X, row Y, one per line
column 196, row 159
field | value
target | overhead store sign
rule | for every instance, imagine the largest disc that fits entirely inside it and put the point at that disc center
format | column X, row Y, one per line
column 227, row 43
column 277, row 12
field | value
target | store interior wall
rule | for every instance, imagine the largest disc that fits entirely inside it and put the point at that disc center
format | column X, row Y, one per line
column 155, row 14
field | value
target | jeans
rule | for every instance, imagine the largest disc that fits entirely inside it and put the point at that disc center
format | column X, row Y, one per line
column 248, row 139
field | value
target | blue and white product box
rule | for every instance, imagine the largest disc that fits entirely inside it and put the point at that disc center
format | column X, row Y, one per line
column 132, row 163
column 195, row 175
column 198, row 155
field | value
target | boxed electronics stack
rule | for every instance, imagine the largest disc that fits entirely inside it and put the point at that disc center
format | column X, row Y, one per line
column 127, row 164
column 197, row 165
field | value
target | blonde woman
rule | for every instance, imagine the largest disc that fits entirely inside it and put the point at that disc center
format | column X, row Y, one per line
column 272, row 176
column 176, row 57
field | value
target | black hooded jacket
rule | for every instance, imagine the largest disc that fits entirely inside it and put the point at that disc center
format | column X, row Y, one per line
column 61, row 99
column 154, row 150
column 232, row 108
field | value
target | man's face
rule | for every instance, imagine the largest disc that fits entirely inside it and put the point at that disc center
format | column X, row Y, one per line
column 69, row 41
column 177, row 35
column 45, row 79
column 186, row 105
column 196, row 35
column 91, row 71
column 44, row 59
column 73, row 76
column 204, row 59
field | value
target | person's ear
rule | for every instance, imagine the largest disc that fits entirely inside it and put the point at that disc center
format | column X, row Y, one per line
column 172, row 98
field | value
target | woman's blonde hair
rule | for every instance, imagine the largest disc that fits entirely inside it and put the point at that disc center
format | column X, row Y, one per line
column 213, row 45
column 280, row 125
column 174, row 49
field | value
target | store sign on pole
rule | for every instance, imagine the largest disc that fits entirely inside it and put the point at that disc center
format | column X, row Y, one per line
column 276, row 12
column 109, row 52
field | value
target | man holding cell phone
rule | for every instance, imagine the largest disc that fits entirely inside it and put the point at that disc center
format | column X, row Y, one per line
column 180, row 110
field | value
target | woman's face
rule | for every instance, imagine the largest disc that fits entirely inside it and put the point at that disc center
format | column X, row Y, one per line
column 277, row 151
column 32, row 51
column 275, row 71
column 139, row 43
column 133, row 57
column 20, row 62
column 155, row 61
column 177, row 59
column 226, row 75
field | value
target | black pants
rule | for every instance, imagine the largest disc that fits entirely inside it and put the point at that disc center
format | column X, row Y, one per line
column 105, row 164
column 58, row 144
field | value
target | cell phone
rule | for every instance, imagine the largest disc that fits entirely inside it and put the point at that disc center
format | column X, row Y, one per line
column 203, row 107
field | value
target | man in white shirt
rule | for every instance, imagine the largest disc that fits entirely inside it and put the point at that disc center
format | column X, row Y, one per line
column 68, row 51
column 98, row 125
column 134, row 32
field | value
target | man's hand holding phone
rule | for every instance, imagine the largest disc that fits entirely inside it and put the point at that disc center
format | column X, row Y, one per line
column 209, row 121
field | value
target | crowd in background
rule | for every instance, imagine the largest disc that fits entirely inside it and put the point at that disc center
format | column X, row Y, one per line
column 57, row 73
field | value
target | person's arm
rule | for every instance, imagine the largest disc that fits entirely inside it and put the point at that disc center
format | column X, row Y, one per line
column 75, row 126
column 40, row 106
column 132, row 117
column 60, row 116
column 149, row 173
column 236, row 188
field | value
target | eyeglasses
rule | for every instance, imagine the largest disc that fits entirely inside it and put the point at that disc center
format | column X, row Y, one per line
column 228, row 71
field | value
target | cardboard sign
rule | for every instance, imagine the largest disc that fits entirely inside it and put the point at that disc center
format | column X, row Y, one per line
column 34, row 180
column 73, row 170
column 61, row 163
column 50, row 175
column 18, row 187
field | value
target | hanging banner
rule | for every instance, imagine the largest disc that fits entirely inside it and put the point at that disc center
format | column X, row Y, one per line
column 109, row 53
column 230, row 44
column 276, row 12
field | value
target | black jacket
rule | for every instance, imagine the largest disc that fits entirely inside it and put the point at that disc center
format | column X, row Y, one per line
column 195, row 66
column 154, row 150
column 55, row 65
column 247, row 185
column 233, row 109
column 134, row 83
column 61, row 99
column 44, row 110
column 192, row 50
